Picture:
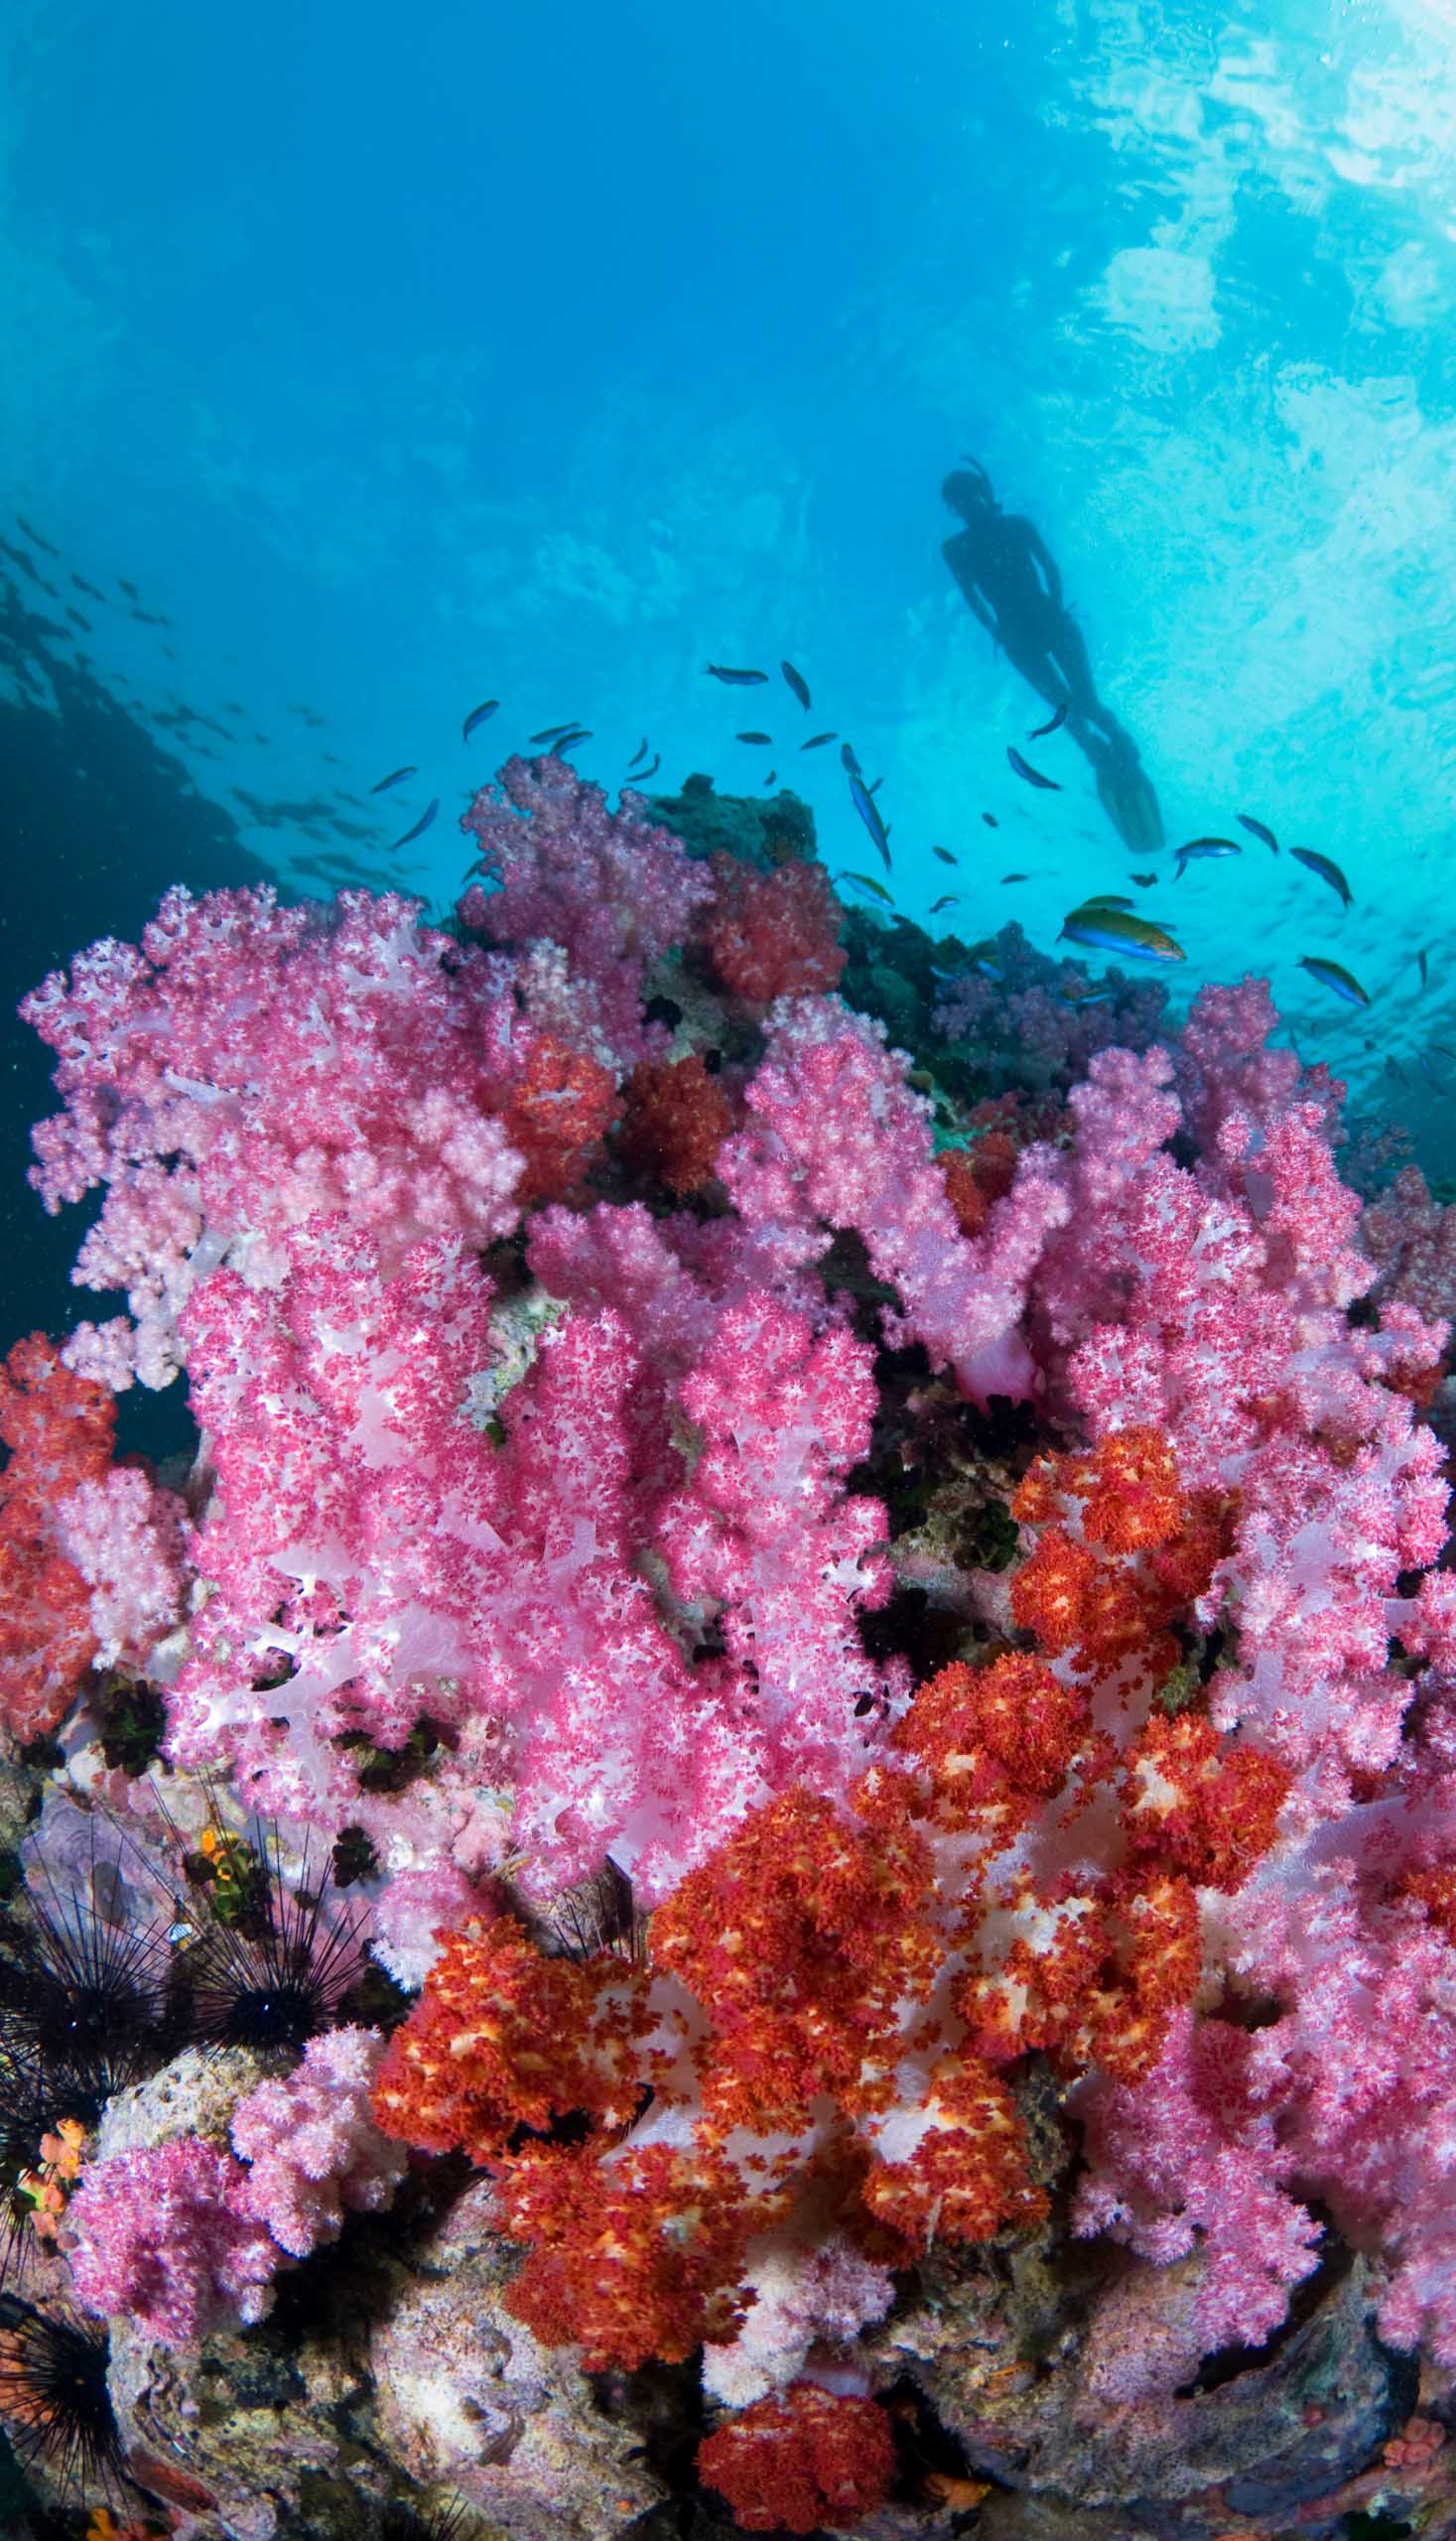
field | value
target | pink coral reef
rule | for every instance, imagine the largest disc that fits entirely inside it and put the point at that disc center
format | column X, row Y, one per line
column 561, row 1400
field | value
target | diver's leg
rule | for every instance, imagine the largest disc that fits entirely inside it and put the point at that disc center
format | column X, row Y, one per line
column 1068, row 645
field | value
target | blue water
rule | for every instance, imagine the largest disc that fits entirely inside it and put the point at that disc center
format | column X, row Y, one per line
column 406, row 358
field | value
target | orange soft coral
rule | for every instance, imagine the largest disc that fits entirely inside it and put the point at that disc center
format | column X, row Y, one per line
column 799, row 1939
column 1121, row 1547
column 500, row 2037
column 1209, row 1811
column 801, row 2459
column 993, row 1742
column 677, row 1117
column 630, row 2257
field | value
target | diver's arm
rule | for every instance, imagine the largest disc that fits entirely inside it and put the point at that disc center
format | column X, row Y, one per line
column 958, row 555
column 1038, row 547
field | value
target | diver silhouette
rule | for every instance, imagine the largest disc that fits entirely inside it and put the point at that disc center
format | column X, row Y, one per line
column 1010, row 577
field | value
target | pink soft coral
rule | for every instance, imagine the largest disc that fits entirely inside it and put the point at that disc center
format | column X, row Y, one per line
column 608, row 887
column 837, row 1138
column 312, row 2144
column 164, row 2235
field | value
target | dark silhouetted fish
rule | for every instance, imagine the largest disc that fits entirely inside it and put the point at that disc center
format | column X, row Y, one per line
column 797, row 683
column 1327, row 869
column 991, row 820
column 477, row 715
column 818, row 740
column 1016, row 878
column 553, row 732
column 570, row 740
column 848, row 761
column 945, row 854
column 648, row 771
column 130, row 588
column 1144, row 881
column 81, row 584
column 36, row 539
column 1032, row 775
column 77, row 620
column 1395, row 1069
column 639, row 755
column 396, row 775
column 867, row 882
column 762, row 741
column 150, row 618
column 736, row 678
column 1257, row 828
column 874, row 788
column 1039, row 732
column 770, row 779
column 1420, row 965
column 421, row 826
column 947, row 900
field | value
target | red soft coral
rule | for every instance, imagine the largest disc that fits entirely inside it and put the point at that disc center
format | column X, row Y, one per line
column 59, row 1429
column 773, row 934
column 677, row 1118
column 802, row 2457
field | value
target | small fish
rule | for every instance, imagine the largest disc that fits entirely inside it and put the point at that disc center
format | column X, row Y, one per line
column 477, row 715
column 1202, row 847
column 870, row 815
column 1327, row 869
column 639, row 755
column 130, row 588
column 150, row 618
column 1058, row 719
column 1445, row 1053
column 945, row 854
column 991, row 820
column 770, row 779
column 35, row 537
column 874, row 789
column 1108, row 900
column 77, row 620
column 988, row 970
column 762, row 741
column 554, row 732
column 1094, row 996
column 947, row 900
column 1333, row 974
column 1144, row 881
column 797, row 683
column 1016, row 878
column 818, row 740
column 849, row 761
column 867, row 882
column 1119, row 931
column 570, row 740
column 1257, row 828
column 396, row 776
column 1437, row 1080
column 421, row 825
column 1032, row 775
column 736, row 678
column 1393, row 1068
column 648, row 772
column 89, row 589
column 1421, row 960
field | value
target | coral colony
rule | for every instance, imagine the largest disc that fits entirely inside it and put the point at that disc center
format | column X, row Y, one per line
column 749, row 1596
